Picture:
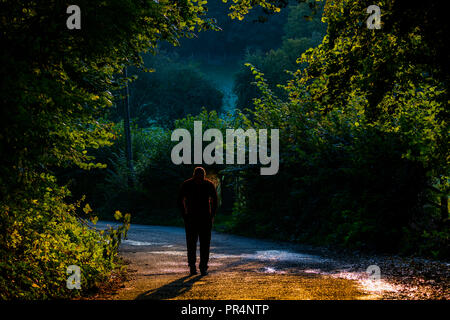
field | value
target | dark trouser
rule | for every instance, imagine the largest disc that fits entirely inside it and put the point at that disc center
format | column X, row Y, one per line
column 198, row 230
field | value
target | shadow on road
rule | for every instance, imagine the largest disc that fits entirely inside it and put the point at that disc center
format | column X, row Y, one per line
column 170, row 290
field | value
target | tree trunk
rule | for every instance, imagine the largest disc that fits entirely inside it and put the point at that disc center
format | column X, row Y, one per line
column 126, row 124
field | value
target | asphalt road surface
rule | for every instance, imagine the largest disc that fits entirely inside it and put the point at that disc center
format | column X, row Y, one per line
column 239, row 268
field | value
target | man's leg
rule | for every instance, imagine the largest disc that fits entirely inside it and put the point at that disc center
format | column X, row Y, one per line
column 191, row 243
column 205, row 241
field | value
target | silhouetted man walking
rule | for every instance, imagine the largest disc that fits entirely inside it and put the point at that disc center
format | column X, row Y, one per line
column 197, row 201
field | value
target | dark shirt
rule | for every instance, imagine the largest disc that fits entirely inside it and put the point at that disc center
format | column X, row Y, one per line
column 194, row 198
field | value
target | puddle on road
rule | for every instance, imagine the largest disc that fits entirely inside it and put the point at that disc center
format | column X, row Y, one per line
column 313, row 271
column 141, row 243
column 274, row 256
column 266, row 255
column 175, row 263
column 173, row 270
column 281, row 255
column 271, row 270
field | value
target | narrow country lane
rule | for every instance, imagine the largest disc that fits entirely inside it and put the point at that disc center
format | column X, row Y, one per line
column 239, row 268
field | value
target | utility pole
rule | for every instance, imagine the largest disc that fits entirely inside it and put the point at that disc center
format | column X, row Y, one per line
column 126, row 125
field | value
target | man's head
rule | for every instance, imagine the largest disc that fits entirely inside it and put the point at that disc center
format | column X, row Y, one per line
column 199, row 174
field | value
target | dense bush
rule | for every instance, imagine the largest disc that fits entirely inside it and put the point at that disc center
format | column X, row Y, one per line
column 356, row 192
column 41, row 235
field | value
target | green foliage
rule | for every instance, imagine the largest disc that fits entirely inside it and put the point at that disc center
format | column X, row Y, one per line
column 174, row 90
column 363, row 140
column 382, row 77
column 56, row 88
column 305, row 22
column 363, row 119
column 260, row 30
column 41, row 235
column 59, row 81
column 300, row 34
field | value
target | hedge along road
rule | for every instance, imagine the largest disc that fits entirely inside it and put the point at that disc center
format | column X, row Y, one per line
column 239, row 268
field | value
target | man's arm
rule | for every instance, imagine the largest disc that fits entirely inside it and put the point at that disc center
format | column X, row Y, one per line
column 213, row 195
column 180, row 201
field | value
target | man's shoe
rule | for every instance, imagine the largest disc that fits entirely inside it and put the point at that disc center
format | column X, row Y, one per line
column 204, row 272
column 193, row 271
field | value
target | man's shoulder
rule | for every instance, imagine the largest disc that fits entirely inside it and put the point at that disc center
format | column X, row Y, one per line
column 209, row 183
column 188, row 181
